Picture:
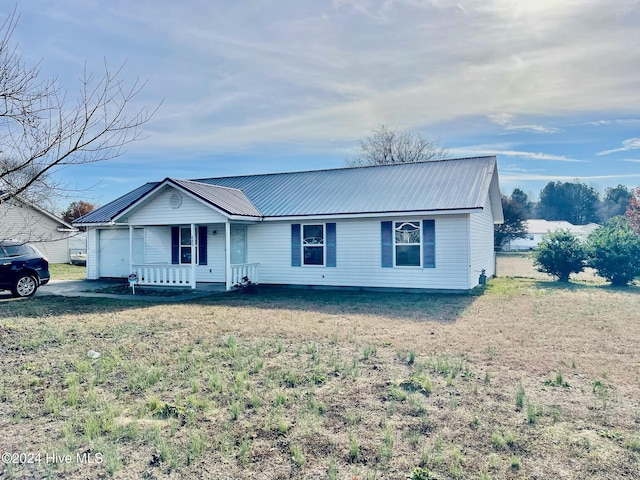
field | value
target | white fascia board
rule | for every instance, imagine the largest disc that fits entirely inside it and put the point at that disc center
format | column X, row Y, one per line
column 245, row 218
column 421, row 213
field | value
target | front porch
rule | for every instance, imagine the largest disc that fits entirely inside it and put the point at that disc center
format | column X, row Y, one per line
column 165, row 275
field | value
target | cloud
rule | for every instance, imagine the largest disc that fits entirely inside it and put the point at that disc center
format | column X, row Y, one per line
column 620, row 121
column 235, row 77
column 489, row 150
column 533, row 128
column 508, row 121
column 565, row 178
column 629, row 144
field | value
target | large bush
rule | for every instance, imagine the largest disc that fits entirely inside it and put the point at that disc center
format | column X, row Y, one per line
column 560, row 254
column 614, row 251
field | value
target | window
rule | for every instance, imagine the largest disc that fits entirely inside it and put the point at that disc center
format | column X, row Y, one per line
column 313, row 244
column 185, row 246
column 17, row 250
column 407, row 244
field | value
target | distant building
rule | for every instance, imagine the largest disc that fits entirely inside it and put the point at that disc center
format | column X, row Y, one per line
column 23, row 221
column 538, row 228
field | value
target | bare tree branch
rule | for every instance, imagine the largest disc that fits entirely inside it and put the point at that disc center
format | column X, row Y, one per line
column 40, row 132
column 388, row 145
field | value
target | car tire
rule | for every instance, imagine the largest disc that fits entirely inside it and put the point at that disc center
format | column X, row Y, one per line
column 24, row 286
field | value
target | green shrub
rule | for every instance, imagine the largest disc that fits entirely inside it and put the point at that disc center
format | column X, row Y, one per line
column 613, row 251
column 560, row 254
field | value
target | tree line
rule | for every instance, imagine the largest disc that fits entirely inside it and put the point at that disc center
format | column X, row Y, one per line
column 574, row 202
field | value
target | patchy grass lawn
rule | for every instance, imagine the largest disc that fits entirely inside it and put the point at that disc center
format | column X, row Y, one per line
column 66, row 271
column 529, row 380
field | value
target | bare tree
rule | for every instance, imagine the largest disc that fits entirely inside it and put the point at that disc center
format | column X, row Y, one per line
column 388, row 145
column 41, row 131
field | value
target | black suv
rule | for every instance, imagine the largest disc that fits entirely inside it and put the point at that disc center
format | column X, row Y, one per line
column 22, row 268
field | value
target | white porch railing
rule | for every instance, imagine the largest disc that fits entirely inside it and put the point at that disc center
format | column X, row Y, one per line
column 164, row 275
column 241, row 270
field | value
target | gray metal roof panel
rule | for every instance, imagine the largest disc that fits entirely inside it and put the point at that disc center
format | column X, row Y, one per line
column 439, row 185
column 230, row 200
column 109, row 211
column 451, row 184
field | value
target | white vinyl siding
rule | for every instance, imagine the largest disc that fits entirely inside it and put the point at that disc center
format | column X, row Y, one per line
column 359, row 256
column 158, row 211
column 26, row 224
column 481, row 240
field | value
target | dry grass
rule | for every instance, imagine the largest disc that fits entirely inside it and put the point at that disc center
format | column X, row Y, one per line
column 320, row 384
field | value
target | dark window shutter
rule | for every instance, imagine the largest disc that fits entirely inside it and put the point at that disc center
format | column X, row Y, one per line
column 175, row 245
column 429, row 244
column 331, row 244
column 387, row 244
column 296, row 247
column 202, row 245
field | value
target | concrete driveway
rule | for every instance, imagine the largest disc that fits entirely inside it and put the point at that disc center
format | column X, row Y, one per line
column 92, row 288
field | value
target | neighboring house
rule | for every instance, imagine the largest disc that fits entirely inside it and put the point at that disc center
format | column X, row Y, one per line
column 538, row 228
column 420, row 225
column 25, row 222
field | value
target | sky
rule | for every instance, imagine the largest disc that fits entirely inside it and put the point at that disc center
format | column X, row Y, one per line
column 552, row 88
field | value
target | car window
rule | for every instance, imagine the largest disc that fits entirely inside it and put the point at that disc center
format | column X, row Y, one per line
column 17, row 250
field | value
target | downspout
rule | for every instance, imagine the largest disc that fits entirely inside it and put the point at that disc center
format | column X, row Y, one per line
column 469, row 257
column 194, row 256
column 130, row 249
column 227, row 254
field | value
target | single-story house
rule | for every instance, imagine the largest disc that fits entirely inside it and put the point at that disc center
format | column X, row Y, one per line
column 23, row 221
column 537, row 229
column 419, row 225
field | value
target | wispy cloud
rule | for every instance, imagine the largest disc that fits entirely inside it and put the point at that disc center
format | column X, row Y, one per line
column 629, row 144
column 566, row 178
column 533, row 128
column 619, row 121
column 508, row 121
column 483, row 150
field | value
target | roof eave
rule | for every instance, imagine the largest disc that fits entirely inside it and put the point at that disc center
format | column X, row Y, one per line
column 402, row 213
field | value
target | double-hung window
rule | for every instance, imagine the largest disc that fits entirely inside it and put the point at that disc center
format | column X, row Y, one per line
column 313, row 244
column 407, row 242
column 186, row 255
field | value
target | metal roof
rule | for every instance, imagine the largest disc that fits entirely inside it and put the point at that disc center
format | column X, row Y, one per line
column 108, row 212
column 451, row 184
column 231, row 200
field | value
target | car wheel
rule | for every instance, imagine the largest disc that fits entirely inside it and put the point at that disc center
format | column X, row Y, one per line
column 25, row 286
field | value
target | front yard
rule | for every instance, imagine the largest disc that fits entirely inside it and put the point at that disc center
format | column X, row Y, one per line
column 529, row 380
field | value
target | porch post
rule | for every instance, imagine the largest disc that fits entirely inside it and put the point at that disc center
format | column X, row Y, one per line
column 227, row 253
column 194, row 256
column 130, row 249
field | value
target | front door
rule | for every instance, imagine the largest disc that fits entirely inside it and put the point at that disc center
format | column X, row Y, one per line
column 238, row 245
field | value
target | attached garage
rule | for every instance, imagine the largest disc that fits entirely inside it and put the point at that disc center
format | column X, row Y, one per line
column 113, row 255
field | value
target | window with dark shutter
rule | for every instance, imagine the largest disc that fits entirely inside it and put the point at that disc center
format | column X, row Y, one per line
column 387, row 244
column 331, row 244
column 296, row 260
column 429, row 243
